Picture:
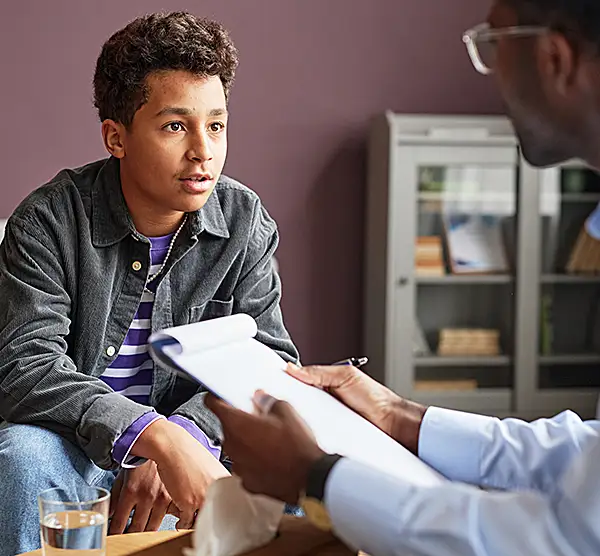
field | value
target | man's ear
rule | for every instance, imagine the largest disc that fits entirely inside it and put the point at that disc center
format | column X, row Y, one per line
column 557, row 61
column 113, row 135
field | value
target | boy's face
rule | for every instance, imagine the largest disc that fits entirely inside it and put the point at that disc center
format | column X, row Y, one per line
column 173, row 152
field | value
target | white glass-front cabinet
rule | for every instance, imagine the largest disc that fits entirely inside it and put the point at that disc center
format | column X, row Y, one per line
column 481, row 292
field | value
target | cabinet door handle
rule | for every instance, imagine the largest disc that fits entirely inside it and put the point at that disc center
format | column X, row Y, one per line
column 402, row 281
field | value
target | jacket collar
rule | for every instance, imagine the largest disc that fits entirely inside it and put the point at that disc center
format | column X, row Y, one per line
column 111, row 221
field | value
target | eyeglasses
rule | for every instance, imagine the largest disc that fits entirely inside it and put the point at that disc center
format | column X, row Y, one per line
column 481, row 42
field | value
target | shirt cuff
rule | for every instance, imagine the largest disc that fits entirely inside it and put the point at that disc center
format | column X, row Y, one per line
column 366, row 506
column 125, row 442
column 452, row 442
column 197, row 433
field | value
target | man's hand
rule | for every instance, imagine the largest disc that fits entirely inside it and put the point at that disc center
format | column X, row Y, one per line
column 397, row 417
column 139, row 490
column 272, row 451
column 185, row 467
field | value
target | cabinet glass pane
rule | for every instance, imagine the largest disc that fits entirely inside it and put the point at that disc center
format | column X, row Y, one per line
column 464, row 270
column 570, row 282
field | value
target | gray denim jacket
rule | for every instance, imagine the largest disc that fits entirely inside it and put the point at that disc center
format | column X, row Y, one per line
column 69, row 291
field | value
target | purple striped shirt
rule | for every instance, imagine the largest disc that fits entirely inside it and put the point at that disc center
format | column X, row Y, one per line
column 131, row 372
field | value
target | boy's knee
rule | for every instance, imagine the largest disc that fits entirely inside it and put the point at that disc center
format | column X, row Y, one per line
column 29, row 454
column 24, row 442
column 37, row 458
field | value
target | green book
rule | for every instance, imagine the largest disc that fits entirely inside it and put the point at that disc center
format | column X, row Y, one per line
column 546, row 332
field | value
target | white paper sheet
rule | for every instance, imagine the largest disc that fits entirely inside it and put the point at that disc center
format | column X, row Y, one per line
column 235, row 371
column 208, row 334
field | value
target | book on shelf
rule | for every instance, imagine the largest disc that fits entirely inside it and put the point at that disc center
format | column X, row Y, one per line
column 475, row 243
column 585, row 255
column 429, row 257
column 469, row 342
column 436, row 385
column 546, row 329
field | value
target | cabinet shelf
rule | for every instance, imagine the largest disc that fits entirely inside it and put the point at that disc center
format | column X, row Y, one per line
column 580, row 198
column 463, row 280
column 463, row 361
column 495, row 400
column 570, row 279
column 570, row 359
column 475, row 196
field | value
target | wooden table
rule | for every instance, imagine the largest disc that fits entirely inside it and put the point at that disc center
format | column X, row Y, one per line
column 297, row 538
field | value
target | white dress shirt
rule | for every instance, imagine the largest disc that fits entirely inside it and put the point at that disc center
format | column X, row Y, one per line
column 548, row 474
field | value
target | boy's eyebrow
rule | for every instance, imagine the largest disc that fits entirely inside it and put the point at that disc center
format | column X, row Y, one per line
column 217, row 112
column 181, row 111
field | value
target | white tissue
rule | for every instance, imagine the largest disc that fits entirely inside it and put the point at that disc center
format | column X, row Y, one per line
column 232, row 521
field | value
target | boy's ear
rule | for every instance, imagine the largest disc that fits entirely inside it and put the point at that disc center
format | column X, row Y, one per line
column 113, row 135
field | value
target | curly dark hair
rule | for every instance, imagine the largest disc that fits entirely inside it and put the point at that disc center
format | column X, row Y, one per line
column 158, row 42
column 577, row 19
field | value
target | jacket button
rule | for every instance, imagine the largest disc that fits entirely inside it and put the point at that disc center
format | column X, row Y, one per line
column 137, row 265
column 110, row 351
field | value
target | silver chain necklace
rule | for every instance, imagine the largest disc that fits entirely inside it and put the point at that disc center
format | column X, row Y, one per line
column 164, row 263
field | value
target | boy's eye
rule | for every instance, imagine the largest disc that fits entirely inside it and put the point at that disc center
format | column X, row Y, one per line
column 175, row 127
column 216, row 127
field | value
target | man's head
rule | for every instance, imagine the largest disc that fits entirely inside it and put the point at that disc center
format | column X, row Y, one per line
column 545, row 55
column 161, row 88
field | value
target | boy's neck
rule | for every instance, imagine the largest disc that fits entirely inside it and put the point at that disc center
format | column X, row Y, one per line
column 157, row 226
column 150, row 223
column 159, row 229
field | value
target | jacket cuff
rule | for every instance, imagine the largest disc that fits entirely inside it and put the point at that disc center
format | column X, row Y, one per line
column 104, row 422
column 124, row 444
column 197, row 433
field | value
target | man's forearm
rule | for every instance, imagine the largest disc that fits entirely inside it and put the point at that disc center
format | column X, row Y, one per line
column 387, row 516
column 504, row 454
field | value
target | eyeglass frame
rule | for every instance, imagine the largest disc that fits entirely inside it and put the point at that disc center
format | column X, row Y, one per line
column 484, row 32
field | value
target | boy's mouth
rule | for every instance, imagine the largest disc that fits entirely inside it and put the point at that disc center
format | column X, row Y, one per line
column 197, row 183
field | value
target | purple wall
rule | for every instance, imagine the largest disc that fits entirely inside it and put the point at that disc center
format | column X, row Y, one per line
column 312, row 74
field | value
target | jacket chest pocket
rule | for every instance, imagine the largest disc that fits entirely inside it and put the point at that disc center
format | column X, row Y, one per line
column 212, row 309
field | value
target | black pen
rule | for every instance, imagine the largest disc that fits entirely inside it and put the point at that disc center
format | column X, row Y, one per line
column 354, row 361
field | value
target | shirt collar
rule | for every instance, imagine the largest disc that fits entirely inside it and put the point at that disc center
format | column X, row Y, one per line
column 111, row 221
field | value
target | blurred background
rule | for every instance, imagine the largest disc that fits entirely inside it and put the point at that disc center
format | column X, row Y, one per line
column 312, row 76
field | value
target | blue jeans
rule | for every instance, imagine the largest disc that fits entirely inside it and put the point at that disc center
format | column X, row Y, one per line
column 33, row 459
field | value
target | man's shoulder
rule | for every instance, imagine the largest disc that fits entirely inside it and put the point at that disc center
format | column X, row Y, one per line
column 241, row 206
column 57, row 198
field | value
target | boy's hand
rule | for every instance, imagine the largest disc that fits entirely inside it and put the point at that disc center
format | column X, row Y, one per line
column 185, row 467
column 142, row 491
